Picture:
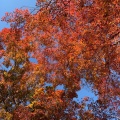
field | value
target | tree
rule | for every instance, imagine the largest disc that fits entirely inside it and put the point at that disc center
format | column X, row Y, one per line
column 68, row 40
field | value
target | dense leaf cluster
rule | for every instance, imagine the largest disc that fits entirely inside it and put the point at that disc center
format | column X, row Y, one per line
column 68, row 41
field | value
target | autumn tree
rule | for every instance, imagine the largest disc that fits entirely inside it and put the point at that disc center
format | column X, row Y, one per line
column 68, row 40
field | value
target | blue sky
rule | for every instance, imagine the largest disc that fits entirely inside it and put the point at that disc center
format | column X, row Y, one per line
column 11, row 5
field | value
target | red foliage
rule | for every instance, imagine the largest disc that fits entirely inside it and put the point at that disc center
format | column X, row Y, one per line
column 69, row 40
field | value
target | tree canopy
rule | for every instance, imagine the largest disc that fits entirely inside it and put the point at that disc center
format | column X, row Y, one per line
column 68, row 40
